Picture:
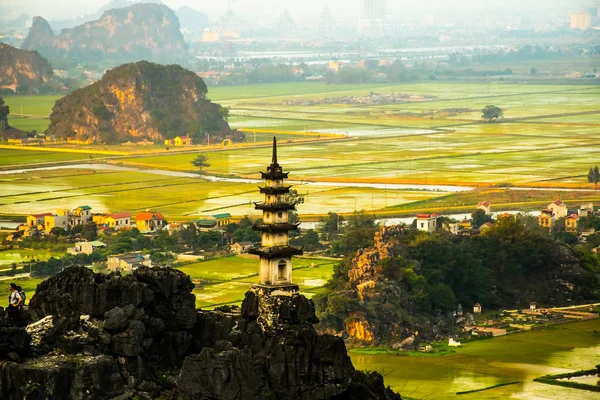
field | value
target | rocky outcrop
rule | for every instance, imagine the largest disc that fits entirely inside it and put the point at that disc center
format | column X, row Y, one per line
column 141, row 31
column 100, row 336
column 22, row 71
column 141, row 101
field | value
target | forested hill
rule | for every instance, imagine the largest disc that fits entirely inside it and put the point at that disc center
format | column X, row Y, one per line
column 25, row 71
column 139, row 32
column 411, row 281
column 141, row 100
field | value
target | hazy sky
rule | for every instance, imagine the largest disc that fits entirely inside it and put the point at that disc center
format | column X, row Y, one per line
column 306, row 9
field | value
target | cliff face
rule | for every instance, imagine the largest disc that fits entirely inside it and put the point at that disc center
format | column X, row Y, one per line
column 141, row 100
column 26, row 69
column 141, row 31
column 138, row 336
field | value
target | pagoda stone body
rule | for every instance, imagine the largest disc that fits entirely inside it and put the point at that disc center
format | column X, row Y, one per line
column 275, row 252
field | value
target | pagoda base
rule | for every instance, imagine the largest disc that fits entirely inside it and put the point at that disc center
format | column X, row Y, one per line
column 278, row 308
column 275, row 290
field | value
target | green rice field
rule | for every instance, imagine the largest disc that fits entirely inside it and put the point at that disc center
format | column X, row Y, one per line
column 226, row 280
column 518, row 357
column 550, row 137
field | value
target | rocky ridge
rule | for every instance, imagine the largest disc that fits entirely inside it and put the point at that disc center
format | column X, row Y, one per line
column 141, row 101
column 100, row 336
column 22, row 70
column 138, row 32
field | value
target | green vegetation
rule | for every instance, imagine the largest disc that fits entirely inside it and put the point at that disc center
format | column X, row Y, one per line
column 488, row 388
column 559, row 379
column 490, row 113
column 594, row 176
column 428, row 275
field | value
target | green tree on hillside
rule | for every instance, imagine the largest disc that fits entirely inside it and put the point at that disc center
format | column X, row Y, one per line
column 4, row 111
column 594, row 176
column 200, row 161
column 490, row 113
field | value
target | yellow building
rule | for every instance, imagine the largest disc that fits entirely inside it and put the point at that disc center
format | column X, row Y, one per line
column 581, row 20
column 210, row 37
column 150, row 221
column 222, row 219
column 34, row 220
column 56, row 221
column 572, row 223
column 179, row 141
column 118, row 220
column 335, row 65
column 546, row 219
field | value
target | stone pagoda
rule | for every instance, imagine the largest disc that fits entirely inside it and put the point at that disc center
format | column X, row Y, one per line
column 275, row 252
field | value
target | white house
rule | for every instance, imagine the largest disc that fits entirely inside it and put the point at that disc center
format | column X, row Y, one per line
column 427, row 222
column 85, row 247
column 559, row 209
column 486, row 206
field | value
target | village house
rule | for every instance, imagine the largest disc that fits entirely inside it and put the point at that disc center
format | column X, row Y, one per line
column 451, row 227
column 572, row 223
column 558, row 208
column 128, row 262
column 205, row 224
column 179, row 141
column 56, row 221
column 546, row 219
column 35, row 220
column 85, row 247
column 477, row 308
column 150, row 221
column 465, row 225
column 118, row 221
column 486, row 227
column 240, row 247
column 222, row 219
column 79, row 216
column 485, row 206
column 427, row 222
column 586, row 210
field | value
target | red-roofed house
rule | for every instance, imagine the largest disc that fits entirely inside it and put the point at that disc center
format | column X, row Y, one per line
column 118, row 220
column 427, row 222
column 559, row 209
column 150, row 221
column 572, row 223
column 486, row 206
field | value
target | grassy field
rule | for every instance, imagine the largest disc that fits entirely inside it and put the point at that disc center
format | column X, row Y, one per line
column 8, row 257
column 549, row 138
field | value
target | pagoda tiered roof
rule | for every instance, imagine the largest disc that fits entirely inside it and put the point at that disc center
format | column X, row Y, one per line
column 277, row 251
column 274, row 228
column 274, row 171
column 275, row 189
column 279, row 206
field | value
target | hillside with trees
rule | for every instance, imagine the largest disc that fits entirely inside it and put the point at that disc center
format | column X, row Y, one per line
column 141, row 101
column 26, row 70
column 408, row 281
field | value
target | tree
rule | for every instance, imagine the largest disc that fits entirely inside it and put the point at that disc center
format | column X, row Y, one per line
column 594, row 176
column 200, row 161
column 490, row 113
column 4, row 111
column 161, row 259
column 533, row 70
column 89, row 231
column 479, row 218
column 330, row 225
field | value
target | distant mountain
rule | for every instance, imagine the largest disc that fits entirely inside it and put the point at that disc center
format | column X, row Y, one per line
column 138, row 101
column 124, row 4
column 138, row 32
column 59, row 25
column 23, row 70
column 191, row 19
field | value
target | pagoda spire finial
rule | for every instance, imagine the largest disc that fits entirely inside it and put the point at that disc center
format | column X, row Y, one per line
column 274, row 159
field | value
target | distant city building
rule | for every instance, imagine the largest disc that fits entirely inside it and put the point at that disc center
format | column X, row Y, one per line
column 581, row 20
column 374, row 20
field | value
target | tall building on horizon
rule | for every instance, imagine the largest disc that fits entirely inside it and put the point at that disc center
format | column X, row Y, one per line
column 581, row 20
column 374, row 19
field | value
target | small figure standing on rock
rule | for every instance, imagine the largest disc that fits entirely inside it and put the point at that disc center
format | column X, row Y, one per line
column 14, row 304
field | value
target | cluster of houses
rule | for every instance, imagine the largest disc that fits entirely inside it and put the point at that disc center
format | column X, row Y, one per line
column 429, row 222
column 44, row 223
column 556, row 210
